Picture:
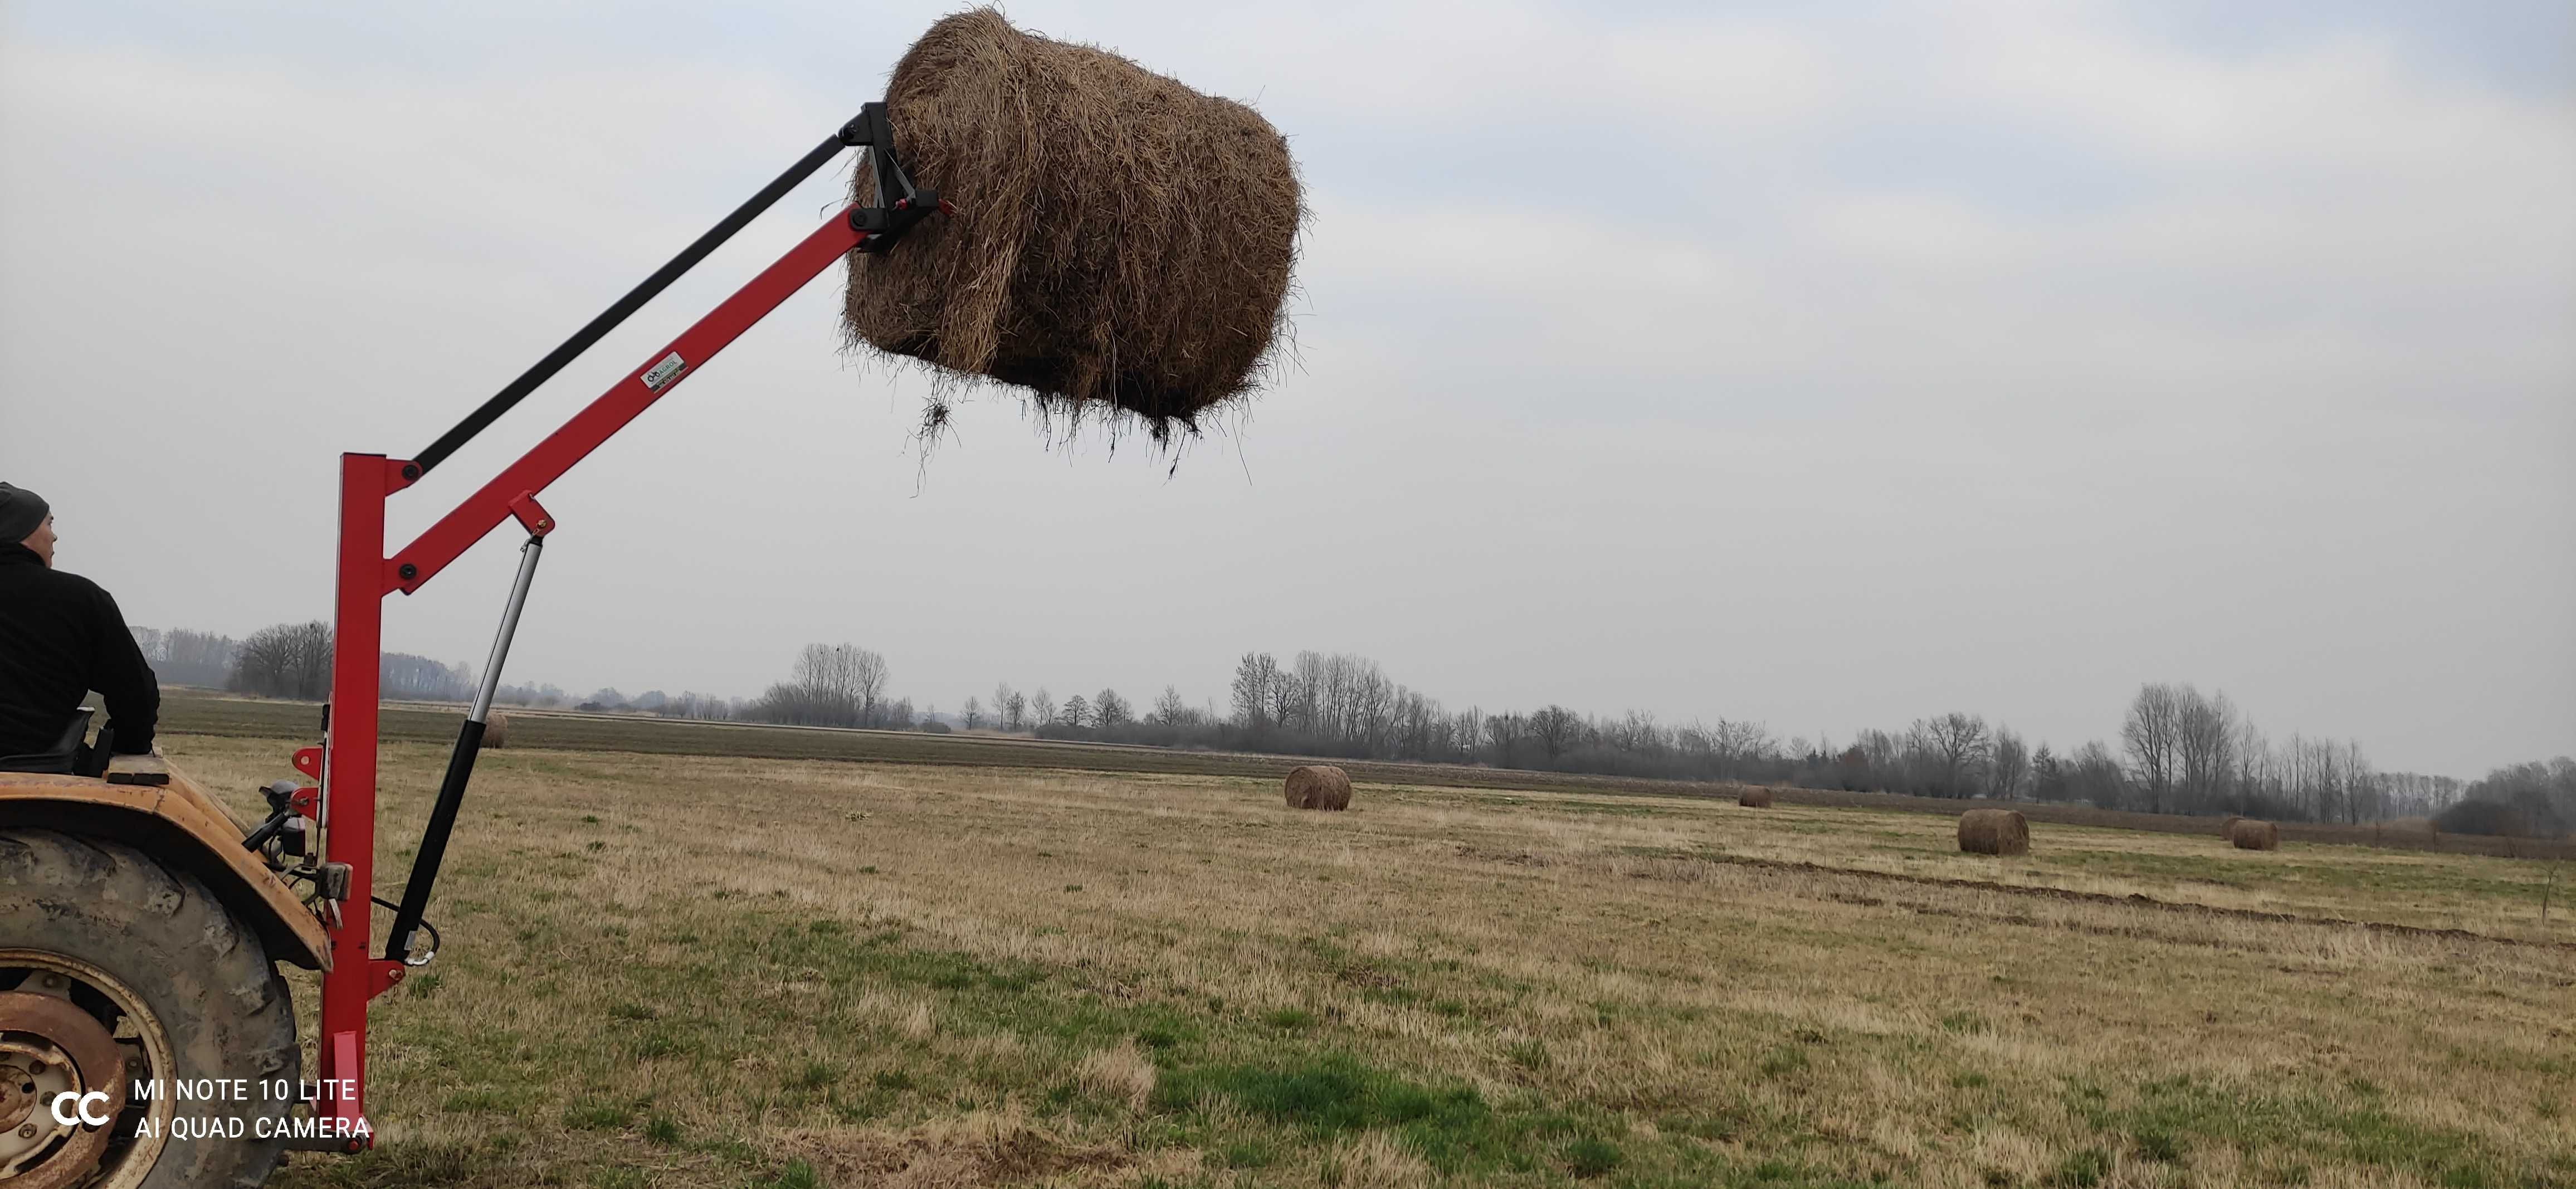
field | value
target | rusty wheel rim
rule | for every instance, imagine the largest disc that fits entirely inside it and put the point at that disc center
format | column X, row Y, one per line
column 51, row 1047
column 86, row 1030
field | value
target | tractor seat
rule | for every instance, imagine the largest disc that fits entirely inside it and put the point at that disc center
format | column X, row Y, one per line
column 67, row 753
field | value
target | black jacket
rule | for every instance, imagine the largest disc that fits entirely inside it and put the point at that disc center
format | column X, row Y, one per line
column 61, row 637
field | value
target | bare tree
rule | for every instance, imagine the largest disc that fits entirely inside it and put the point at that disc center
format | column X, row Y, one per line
column 868, row 676
column 1110, row 710
column 1739, row 746
column 1256, row 676
column 1957, row 746
column 1002, row 696
column 829, row 685
column 2011, row 767
column 1467, row 731
column 1017, row 712
column 183, row 657
column 2153, row 735
column 1505, row 732
column 286, row 660
column 1077, row 713
column 2047, row 775
column 2093, row 776
column 820, row 671
column 974, row 714
column 2258, row 770
column 1043, row 707
column 404, row 675
column 2205, row 745
column 1170, row 710
column 1556, row 729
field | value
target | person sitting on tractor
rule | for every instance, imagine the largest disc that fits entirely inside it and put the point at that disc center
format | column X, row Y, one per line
column 61, row 637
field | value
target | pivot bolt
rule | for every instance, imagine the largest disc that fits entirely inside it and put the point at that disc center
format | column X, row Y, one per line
column 409, row 571
column 27, row 1132
column 35, row 1067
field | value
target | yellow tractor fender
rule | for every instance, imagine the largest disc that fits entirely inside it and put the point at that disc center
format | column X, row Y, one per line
column 180, row 826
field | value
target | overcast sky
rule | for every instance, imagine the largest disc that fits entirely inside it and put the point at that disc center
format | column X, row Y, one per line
column 1828, row 366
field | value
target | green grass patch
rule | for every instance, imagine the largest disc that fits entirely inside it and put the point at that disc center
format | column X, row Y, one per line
column 1591, row 1156
column 594, row 1115
column 2081, row 1169
column 1336, row 1093
column 2164, row 1118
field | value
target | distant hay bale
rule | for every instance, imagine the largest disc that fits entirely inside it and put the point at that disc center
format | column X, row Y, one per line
column 1120, row 242
column 1754, row 798
column 1994, row 832
column 496, row 730
column 1319, row 786
column 2227, row 828
column 2249, row 834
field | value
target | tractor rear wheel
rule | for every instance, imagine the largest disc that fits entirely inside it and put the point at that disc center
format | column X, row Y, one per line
column 117, row 973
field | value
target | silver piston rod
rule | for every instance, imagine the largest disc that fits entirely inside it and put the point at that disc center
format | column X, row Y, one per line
column 460, row 769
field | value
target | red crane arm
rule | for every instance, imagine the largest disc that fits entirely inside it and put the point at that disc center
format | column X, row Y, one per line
column 483, row 511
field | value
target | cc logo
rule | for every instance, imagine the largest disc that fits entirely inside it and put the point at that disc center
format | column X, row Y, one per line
column 79, row 1108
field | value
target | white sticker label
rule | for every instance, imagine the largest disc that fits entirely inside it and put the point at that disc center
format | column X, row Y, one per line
column 666, row 371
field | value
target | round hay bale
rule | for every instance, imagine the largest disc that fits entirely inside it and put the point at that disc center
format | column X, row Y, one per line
column 496, row 730
column 1318, row 786
column 1994, row 832
column 2249, row 834
column 2227, row 828
column 1120, row 242
column 1754, row 798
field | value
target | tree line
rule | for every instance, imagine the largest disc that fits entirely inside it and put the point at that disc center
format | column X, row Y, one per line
column 2178, row 750
column 289, row 660
column 293, row 660
column 2536, row 799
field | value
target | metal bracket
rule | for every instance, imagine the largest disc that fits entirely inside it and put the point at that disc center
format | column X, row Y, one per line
column 532, row 515
column 898, row 203
column 382, row 975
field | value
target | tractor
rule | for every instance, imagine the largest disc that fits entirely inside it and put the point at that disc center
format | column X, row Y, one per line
column 147, row 1035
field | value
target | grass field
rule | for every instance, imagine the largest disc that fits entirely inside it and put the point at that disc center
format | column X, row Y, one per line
column 669, row 970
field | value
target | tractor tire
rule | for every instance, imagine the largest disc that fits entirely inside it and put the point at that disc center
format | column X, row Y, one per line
column 187, row 989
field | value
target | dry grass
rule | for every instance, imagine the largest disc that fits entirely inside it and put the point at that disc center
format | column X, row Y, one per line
column 687, row 971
